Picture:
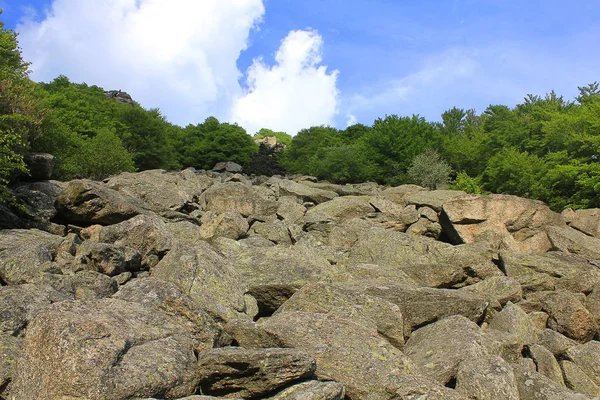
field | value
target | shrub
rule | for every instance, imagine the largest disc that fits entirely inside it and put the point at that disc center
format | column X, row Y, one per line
column 428, row 169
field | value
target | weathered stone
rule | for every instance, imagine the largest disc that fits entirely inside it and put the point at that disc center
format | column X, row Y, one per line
column 569, row 316
column 123, row 278
column 577, row 380
column 40, row 165
column 130, row 351
column 304, row 192
column 434, row 199
column 238, row 372
column 569, row 240
column 587, row 357
column 276, row 231
column 162, row 190
column 556, row 342
column 229, row 224
column 428, row 262
column 324, row 215
column 421, row 306
column 546, row 363
column 440, row 352
column 499, row 289
column 228, row 166
column 537, row 272
column 169, row 299
column 535, row 386
column 424, row 227
column 514, row 320
column 592, row 303
column 275, row 273
column 340, row 300
column 312, row 390
column 88, row 202
column 206, row 277
column 506, row 222
column 250, row 335
column 10, row 347
column 289, row 209
column 373, row 273
column 504, row 344
column 26, row 253
column 83, row 285
column 39, row 198
column 587, row 221
column 235, row 196
column 148, row 234
column 108, row 258
column 539, row 320
column 487, row 378
column 19, row 303
column 399, row 193
column 347, row 352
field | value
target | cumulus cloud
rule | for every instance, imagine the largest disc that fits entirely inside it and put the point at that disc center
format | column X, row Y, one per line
column 295, row 93
column 178, row 55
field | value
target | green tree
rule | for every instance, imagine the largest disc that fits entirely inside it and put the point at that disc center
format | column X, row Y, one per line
column 428, row 169
column 281, row 137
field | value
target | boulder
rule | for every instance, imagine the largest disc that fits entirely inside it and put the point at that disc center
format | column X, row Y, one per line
column 235, row 196
column 399, row 193
column 535, row 386
column 147, row 234
column 276, row 231
column 569, row 240
column 162, row 190
column 10, row 347
column 487, row 378
column 168, row 298
column 440, row 348
column 345, row 351
column 576, row 380
column 26, row 253
column 39, row 198
column 289, row 209
column 87, row 202
column 40, row 165
column 229, row 224
column 428, row 262
column 20, row 303
column 312, row 390
column 556, row 342
column 498, row 289
column 110, row 349
column 506, row 222
column 273, row 274
column 335, row 299
column 110, row 259
column 587, row 357
column 569, row 316
column 422, row 306
column 83, row 285
column 227, row 166
column 304, row 192
column 206, row 277
column 587, row 221
column 546, row 363
column 513, row 319
column 434, row 199
column 251, row 373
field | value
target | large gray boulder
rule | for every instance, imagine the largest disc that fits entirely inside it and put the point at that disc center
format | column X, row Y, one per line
column 506, row 222
column 345, row 351
column 87, row 202
column 487, row 378
column 428, row 262
column 587, row 358
column 513, row 319
column 111, row 349
column 207, row 277
column 273, row 274
column 336, row 299
column 587, row 221
column 251, row 373
column 162, row 190
column 312, row 390
column 535, row 386
column 570, row 240
column 569, row 316
column 235, row 196
column 168, row 298
column 40, row 165
column 26, row 253
column 305, row 192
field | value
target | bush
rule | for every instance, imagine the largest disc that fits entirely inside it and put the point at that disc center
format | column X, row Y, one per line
column 428, row 169
column 467, row 184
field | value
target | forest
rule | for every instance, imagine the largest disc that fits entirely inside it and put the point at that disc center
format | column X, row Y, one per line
column 545, row 148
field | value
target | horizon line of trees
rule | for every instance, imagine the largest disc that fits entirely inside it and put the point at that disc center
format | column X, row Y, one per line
column 545, row 148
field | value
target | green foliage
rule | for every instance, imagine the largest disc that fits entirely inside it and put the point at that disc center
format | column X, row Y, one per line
column 428, row 169
column 203, row 145
column 281, row 137
column 467, row 184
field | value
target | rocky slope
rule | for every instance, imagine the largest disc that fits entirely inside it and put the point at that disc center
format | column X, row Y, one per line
column 205, row 284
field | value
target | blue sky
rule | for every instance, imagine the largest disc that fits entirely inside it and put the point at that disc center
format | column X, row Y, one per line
column 287, row 65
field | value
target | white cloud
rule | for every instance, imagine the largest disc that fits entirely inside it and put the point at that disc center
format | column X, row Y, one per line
column 351, row 120
column 178, row 55
column 295, row 93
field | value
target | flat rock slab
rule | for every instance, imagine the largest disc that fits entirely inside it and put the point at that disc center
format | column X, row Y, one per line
column 238, row 372
column 312, row 390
